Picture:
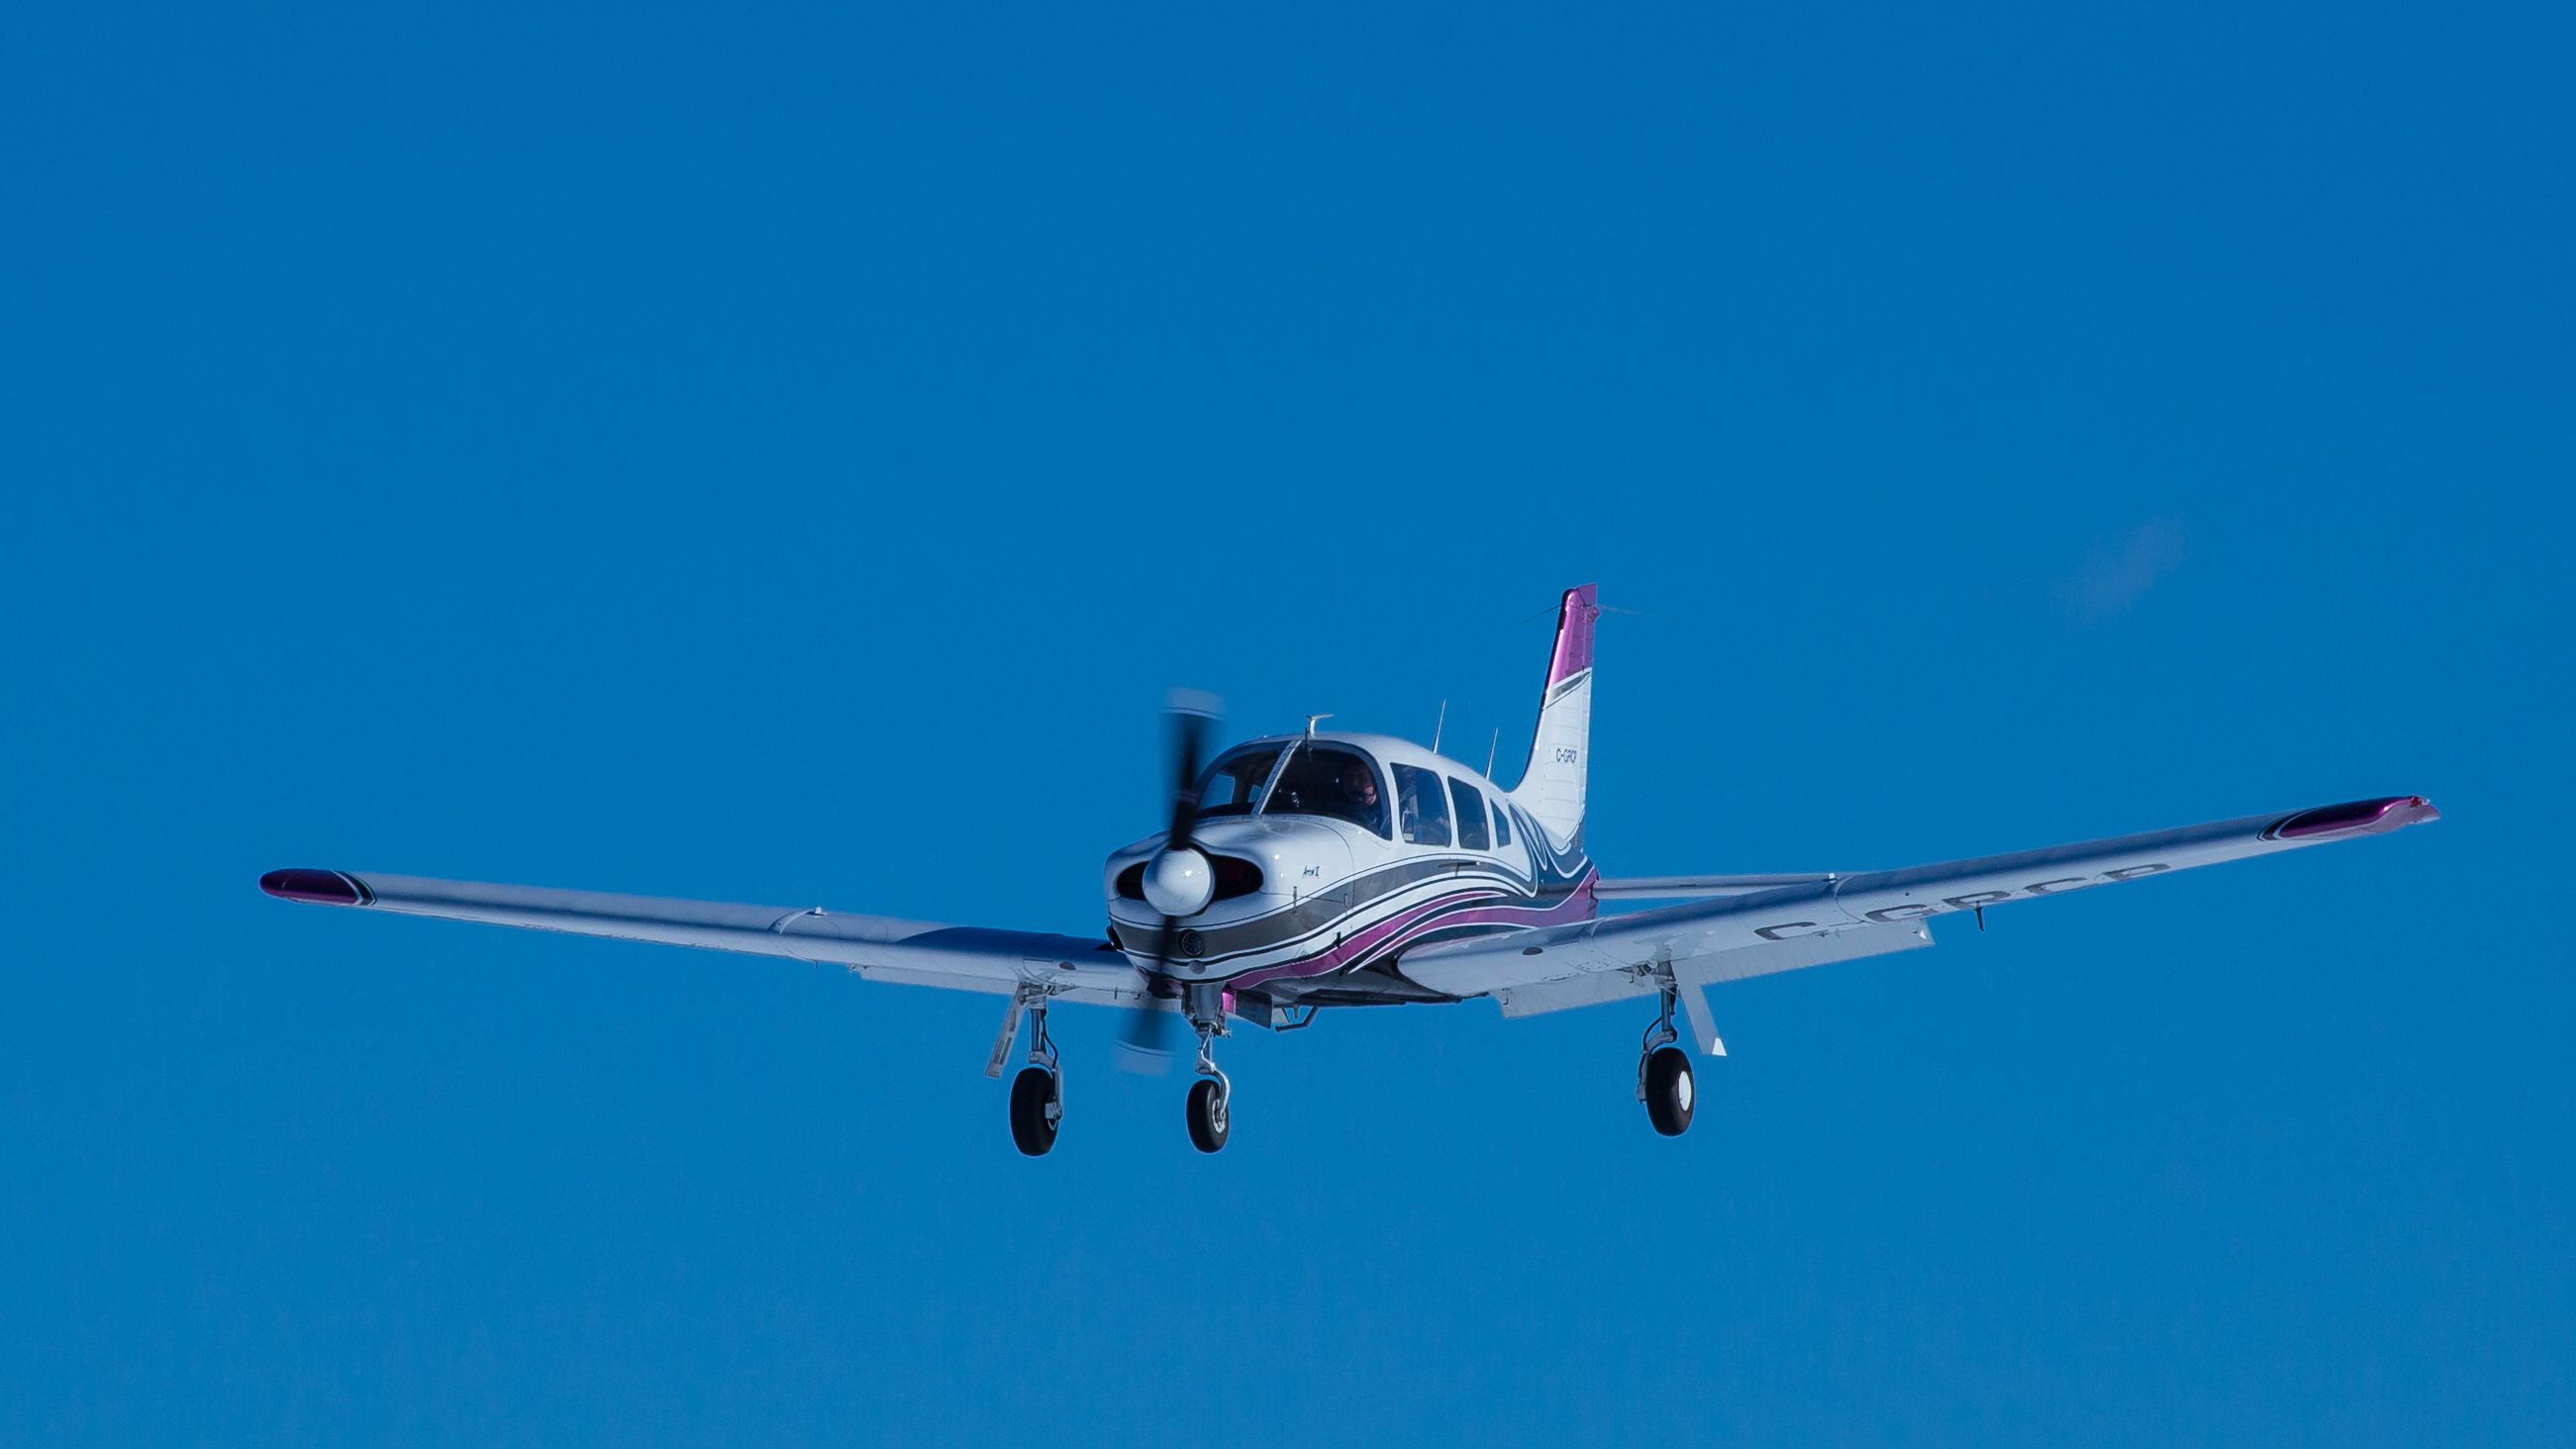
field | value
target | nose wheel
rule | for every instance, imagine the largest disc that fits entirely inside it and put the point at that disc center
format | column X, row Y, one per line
column 1210, row 1117
column 1211, row 1096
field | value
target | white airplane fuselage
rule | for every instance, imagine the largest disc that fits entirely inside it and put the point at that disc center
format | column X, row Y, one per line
column 1334, row 897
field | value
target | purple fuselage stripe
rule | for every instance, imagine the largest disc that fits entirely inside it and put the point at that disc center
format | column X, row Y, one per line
column 1459, row 909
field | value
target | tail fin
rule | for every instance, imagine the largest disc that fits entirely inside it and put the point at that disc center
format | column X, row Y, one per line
column 1551, row 788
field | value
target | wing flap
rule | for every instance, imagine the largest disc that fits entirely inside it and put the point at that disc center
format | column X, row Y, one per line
column 1591, row 988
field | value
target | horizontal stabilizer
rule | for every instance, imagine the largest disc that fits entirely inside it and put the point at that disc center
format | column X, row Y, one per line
column 1686, row 887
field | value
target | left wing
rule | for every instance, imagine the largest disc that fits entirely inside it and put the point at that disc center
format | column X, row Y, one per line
column 1816, row 919
column 881, row 948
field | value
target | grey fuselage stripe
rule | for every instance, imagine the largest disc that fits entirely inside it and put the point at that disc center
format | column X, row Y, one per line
column 1360, row 895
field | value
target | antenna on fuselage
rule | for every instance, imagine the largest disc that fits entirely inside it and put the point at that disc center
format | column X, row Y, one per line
column 1439, row 724
column 1313, row 720
column 1489, row 751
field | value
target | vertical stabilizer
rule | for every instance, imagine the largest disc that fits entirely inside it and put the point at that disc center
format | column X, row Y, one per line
column 1551, row 789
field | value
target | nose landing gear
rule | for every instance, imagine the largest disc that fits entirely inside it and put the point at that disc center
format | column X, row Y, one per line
column 1664, row 1073
column 1211, row 1096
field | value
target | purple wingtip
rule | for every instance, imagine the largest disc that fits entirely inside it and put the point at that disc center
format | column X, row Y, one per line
column 321, row 887
column 2359, row 817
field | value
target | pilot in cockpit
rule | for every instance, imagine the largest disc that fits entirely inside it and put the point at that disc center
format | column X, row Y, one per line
column 1359, row 787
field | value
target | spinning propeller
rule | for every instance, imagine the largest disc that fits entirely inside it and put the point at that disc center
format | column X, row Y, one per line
column 1178, row 881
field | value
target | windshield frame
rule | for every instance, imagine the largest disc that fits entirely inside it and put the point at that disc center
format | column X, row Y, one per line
column 1270, row 786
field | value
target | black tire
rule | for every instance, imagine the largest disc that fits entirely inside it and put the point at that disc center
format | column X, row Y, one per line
column 1211, row 1116
column 1035, row 1110
column 1670, row 1093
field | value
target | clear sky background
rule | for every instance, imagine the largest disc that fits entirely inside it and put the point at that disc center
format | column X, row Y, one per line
column 787, row 458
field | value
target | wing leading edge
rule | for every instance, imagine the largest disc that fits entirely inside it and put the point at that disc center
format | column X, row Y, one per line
column 881, row 948
column 1758, row 930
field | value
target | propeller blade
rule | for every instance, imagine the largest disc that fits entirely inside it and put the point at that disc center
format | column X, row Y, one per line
column 1148, row 1044
column 1147, row 1047
column 1194, row 719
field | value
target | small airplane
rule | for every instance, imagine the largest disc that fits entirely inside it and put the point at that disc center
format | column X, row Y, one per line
column 1327, row 869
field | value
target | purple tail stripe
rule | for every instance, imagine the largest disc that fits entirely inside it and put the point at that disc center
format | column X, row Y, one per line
column 1574, row 634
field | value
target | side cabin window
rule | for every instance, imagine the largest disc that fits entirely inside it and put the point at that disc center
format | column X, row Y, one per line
column 1502, row 826
column 1471, row 816
column 1421, row 806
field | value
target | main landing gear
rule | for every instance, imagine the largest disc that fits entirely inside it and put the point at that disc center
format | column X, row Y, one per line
column 1664, row 1073
column 1211, row 1096
column 1037, row 1093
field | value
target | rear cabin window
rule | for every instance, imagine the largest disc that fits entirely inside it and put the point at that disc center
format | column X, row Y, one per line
column 1471, row 816
column 1502, row 826
column 1421, row 806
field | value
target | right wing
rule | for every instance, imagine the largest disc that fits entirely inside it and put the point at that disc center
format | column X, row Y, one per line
column 1811, row 920
column 881, row 948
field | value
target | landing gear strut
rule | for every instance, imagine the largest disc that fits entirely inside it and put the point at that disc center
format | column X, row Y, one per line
column 1037, row 1093
column 1212, row 1095
column 1664, row 1073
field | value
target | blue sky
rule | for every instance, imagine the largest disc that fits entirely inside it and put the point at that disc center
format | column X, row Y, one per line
column 787, row 458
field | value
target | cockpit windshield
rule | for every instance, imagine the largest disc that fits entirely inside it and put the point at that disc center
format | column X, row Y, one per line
column 1328, row 780
column 1232, row 786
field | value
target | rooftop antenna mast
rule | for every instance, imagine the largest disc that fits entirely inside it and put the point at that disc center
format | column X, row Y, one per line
column 1439, row 724
column 1489, row 751
column 1313, row 720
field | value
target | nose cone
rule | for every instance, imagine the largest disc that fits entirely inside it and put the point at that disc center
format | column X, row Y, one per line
column 1179, row 882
